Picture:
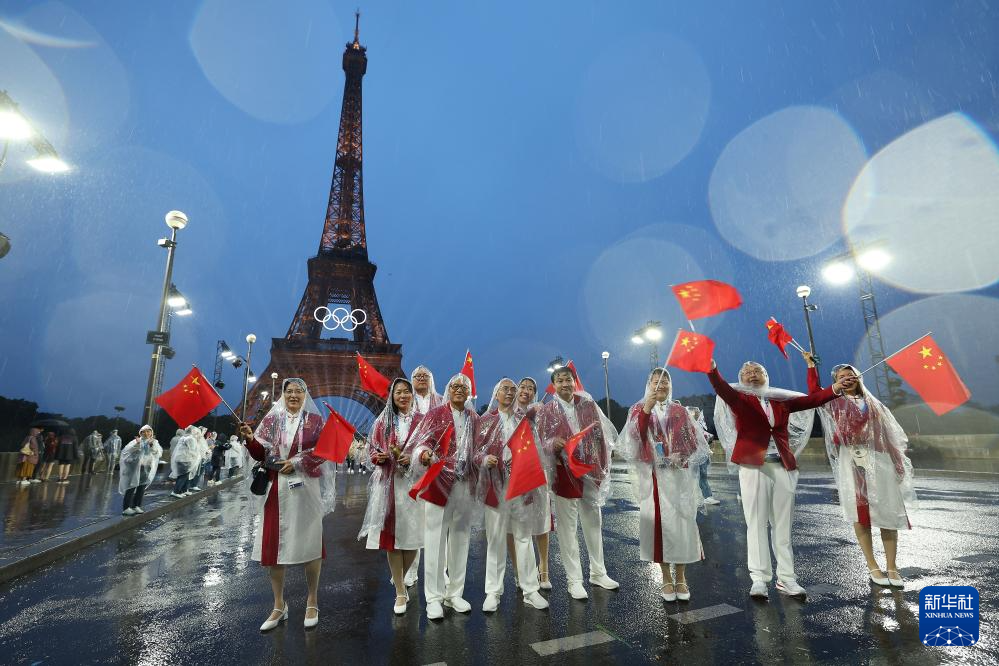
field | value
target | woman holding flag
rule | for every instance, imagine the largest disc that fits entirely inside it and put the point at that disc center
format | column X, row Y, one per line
column 301, row 490
column 502, row 433
column 527, row 406
column 866, row 448
column 393, row 521
column 666, row 448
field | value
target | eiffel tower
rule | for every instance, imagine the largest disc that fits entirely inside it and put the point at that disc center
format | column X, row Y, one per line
column 340, row 276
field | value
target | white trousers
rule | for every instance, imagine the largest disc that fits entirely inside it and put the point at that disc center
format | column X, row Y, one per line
column 568, row 514
column 446, row 546
column 497, row 525
column 768, row 497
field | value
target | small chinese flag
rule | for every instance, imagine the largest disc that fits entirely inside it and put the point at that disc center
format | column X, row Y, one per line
column 435, row 469
column 705, row 298
column 336, row 437
column 189, row 400
column 372, row 380
column 778, row 336
column 577, row 467
column 469, row 371
column 930, row 373
column 526, row 472
column 691, row 352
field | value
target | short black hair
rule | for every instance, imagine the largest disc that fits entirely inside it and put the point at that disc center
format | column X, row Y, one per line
column 557, row 371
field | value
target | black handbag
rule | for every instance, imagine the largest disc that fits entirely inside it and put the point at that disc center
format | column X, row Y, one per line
column 261, row 479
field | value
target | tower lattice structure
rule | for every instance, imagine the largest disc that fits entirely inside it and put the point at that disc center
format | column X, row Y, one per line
column 340, row 276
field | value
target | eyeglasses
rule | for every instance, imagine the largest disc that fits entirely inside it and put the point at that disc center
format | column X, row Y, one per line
column 421, row 376
column 459, row 387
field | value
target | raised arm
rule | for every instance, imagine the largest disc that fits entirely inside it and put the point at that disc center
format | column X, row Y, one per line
column 721, row 387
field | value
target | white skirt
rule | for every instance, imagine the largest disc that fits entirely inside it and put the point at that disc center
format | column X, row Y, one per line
column 409, row 517
column 299, row 520
column 677, row 521
column 880, row 488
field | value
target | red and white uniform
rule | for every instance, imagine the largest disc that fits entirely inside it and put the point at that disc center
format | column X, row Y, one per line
column 394, row 520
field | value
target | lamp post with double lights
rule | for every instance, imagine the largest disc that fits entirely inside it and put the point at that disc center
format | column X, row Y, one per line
column 159, row 338
column 651, row 333
column 864, row 261
column 803, row 292
column 248, row 377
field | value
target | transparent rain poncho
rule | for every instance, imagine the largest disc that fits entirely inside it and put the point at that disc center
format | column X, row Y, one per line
column 433, row 399
column 139, row 461
column 595, row 449
column 459, row 466
column 186, row 454
column 296, row 445
column 671, row 448
column 866, row 448
column 799, row 424
column 529, row 513
column 392, row 514
column 234, row 454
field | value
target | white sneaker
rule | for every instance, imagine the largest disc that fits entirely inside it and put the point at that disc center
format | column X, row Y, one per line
column 434, row 611
column 458, row 604
column 35, row 481
column 576, row 591
column 178, row 495
column 759, row 589
column 138, row 509
column 187, row 493
column 490, row 604
column 605, row 582
column 711, row 500
column 411, row 579
column 535, row 600
column 790, row 588
column 193, row 490
column 128, row 512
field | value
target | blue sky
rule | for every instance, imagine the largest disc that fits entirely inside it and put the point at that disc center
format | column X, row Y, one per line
column 536, row 175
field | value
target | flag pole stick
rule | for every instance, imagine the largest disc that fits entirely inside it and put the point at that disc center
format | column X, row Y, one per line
column 672, row 348
column 229, row 407
column 897, row 352
column 794, row 343
column 691, row 324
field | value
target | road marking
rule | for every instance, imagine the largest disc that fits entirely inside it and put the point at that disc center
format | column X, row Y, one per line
column 706, row 613
column 548, row 648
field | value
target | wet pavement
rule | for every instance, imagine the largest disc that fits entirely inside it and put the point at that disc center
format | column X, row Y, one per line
column 183, row 590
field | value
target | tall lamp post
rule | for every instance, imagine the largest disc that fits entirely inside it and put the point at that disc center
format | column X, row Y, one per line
column 864, row 261
column 274, row 377
column 804, row 291
column 651, row 333
column 250, row 339
column 606, row 355
column 176, row 220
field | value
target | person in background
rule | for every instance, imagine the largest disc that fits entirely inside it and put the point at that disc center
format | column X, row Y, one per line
column 218, row 459
column 67, row 454
column 702, row 470
column 28, row 457
column 112, row 449
column 186, row 456
column 234, row 456
column 139, row 460
column 92, row 451
column 51, row 447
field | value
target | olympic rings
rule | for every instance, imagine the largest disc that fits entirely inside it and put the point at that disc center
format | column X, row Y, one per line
column 348, row 321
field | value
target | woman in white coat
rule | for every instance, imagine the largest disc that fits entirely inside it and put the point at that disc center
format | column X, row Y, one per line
column 665, row 446
column 184, row 458
column 139, row 459
column 301, row 490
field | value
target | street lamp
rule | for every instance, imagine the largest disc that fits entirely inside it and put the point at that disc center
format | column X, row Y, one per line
column 274, row 377
column 861, row 263
column 14, row 126
column 606, row 355
column 803, row 292
column 651, row 333
column 555, row 364
column 250, row 339
column 176, row 220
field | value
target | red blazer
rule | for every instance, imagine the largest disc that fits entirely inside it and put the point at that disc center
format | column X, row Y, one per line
column 753, row 428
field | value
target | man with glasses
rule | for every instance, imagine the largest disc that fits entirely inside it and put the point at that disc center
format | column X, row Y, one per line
column 425, row 397
column 450, row 502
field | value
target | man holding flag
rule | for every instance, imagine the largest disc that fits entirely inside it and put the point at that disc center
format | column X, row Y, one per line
column 512, row 485
column 574, row 430
column 762, row 429
column 441, row 449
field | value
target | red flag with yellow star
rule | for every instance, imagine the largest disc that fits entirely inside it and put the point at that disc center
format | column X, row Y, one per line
column 526, row 472
column 930, row 373
column 469, row 371
column 577, row 467
column 778, row 336
column 704, row 298
column 189, row 400
column 335, row 438
column 691, row 352
column 372, row 380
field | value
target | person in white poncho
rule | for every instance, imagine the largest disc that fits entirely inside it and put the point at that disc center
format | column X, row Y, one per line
column 666, row 447
column 184, row 460
column 866, row 448
column 301, row 490
column 139, row 459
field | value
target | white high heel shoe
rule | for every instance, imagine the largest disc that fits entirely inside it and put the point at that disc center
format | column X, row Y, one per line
column 311, row 621
column 400, row 609
column 270, row 624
